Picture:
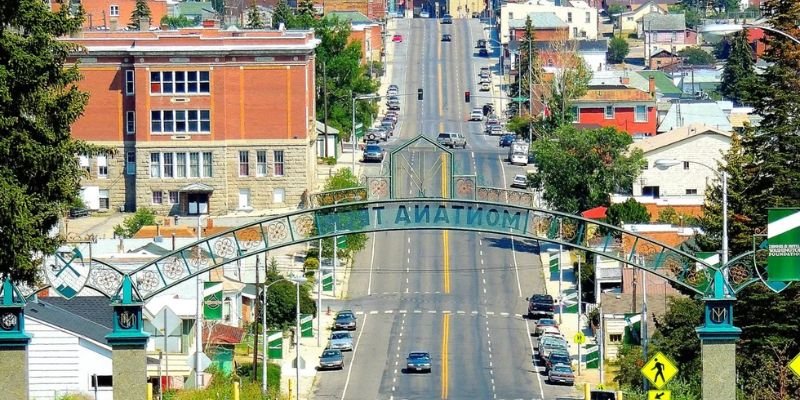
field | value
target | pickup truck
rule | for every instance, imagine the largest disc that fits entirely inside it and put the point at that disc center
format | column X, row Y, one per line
column 540, row 305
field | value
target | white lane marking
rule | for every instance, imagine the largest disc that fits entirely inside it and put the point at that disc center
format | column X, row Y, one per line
column 489, row 313
column 482, row 261
column 505, row 314
column 403, row 312
column 431, row 311
column 480, row 242
column 530, row 342
column 371, row 264
column 503, row 168
column 516, row 269
column 390, row 311
column 459, row 312
column 353, row 360
column 446, row 312
column 474, row 313
column 484, row 290
column 373, row 312
column 359, row 313
column 417, row 311
column 473, row 154
column 480, row 252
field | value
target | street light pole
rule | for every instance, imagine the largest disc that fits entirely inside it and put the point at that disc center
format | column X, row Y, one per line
column 297, row 335
column 353, row 138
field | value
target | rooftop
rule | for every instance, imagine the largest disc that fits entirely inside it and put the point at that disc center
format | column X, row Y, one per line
column 677, row 135
column 87, row 316
column 354, row 17
column 666, row 22
column 686, row 113
column 539, row 20
column 613, row 93
column 664, row 83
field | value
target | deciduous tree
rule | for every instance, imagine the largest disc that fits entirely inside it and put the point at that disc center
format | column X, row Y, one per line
column 39, row 177
column 618, row 50
column 696, row 56
column 577, row 169
column 628, row 212
column 130, row 225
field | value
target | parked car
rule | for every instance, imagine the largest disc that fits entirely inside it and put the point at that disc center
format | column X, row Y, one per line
column 447, row 19
column 331, row 359
column 495, row 130
column 520, row 181
column 372, row 152
column 446, row 37
column 476, row 115
column 418, row 361
column 483, row 53
column 377, row 134
column 485, row 86
column 424, row 14
column 481, row 44
column 341, row 340
column 397, row 38
column 393, row 86
column 506, row 141
column 387, row 126
column 345, row 319
column 393, row 105
column 551, row 331
column 488, row 109
column 540, row 305
column 561, row 373
column 390, row 117
column 391, row 92
column 542, row 323
column 452, row 140
column 557, row 357
column 549, row 345
column 485, row 72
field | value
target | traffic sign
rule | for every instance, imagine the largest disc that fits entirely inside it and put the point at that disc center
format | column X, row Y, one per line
column 579, row 338
column 659, row 395
column 794, row 365
column 204, row 361
column 659, row 370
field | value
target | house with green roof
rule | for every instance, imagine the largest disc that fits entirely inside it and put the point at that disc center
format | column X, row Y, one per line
column 664, row 85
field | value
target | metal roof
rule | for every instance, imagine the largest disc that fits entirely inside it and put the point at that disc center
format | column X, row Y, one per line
column 87, row 316
column 667, row 22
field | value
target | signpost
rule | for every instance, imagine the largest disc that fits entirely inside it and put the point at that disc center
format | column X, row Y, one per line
column 306, row 323
column 783, row 234
column 659, row 395
column 579, row 339
column 275, row 346
column 659, row 370
column 212, row 301
column 166, row 321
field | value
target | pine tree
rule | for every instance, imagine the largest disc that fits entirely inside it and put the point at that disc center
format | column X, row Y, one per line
column 282, row 15
column 254, row 20
column 739, row 75
column 141, row 10
column 528, row 68
column 39, row 101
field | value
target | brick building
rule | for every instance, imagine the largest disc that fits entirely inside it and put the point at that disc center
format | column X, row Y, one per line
column 114, row 14
column 628, row 109
column 202, row 121
column 373, row 9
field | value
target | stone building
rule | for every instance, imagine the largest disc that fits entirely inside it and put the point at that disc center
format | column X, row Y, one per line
column 201, row 121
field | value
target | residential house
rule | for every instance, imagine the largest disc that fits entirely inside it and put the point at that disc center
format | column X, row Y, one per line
column 665, row 32
column 665, row 88
column 629, row 20
column 364, row 30
column 551, row 54
column 683, row 113
column 104, row 15
column 68, row 336
column 628, row 109
column 546, row 27
column 184, row 111
column 329, row 147
column 698, row 81
column 631, row 4
column 691, row 145
column 622, row 321
column 580, row 17
column 374, row 9
column 664, row 60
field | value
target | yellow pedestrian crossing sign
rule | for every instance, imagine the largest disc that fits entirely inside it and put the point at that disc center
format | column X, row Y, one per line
column 794, row 365
column 659, row 395
column 579, row 338
column 659, row 370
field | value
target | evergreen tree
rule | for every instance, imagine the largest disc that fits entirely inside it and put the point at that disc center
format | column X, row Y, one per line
column 254, row 20
column 528, row 67
column 39, row 101
column 282, row 14
column 739, row 75
column 140, row 10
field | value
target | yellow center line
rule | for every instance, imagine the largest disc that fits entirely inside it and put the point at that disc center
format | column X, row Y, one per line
column 439, row 77
column 445, row 337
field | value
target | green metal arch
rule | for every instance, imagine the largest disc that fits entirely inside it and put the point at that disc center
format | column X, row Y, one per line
column 680, row 268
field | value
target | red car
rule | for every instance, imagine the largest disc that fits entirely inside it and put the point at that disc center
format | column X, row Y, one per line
column 397, row 38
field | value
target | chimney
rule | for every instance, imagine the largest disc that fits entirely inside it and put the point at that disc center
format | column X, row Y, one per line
column 114, row 24
column 652, row 86
column 624, row 80
column 144, row 24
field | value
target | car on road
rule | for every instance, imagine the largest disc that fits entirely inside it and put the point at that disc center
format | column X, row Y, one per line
column 452, row 140
column 345, row 319
column 481, row 44
column 391, row 92
column 542, row 323
column 506, row 141
column 372, row 152
column 397, row 38
column 485, row 86
column 393, row 86
column 476, row 115
column 377, row 134
column 393, row 104
column 387, row 126
column 447, row 19
column 418, row 361
column 495, row 130
column 557, row 357
column 520, row 181
column 446, row 37
column 331, row 359
column 390, row 116
column 341, row 340
column 424, row 14
column 485, row 72
column 488, row 109
column 483, row 53
column 540, row 305
column 561, row 373
column 548, row 345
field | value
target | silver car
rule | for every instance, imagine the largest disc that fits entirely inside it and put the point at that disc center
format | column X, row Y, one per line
column 341, row 340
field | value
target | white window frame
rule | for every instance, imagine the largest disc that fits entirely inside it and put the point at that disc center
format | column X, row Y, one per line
column 691, row 190
column 636, row 114
column 130, row 163
column 168, row 171
column 278, row 194
column 278, row 165
column 244, row 163
column 207, row 161
column 199, row 165
column 102, row 166
column 569, row 17
column 130, row 82
column 608, row 115
column 100, row 197
column 113, row 10
column 184, row 164
column 159, row 195
column 247, row 193
column 130, row 122
column 174, row 197
column 261, row 163
column 191, row 125
column 201, row 82
column 155, row 165
column 577, row 117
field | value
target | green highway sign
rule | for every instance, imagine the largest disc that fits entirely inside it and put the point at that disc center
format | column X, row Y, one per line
column 275, row 347
column 306, row 327
column 783, row 235
column 212, row 301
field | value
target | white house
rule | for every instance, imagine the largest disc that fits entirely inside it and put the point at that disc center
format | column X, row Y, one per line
column 580, row 17
column 629, row 20
column 68, row 349
column 690, row 146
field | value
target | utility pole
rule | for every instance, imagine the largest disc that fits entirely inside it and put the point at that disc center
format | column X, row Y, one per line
column 325, row 106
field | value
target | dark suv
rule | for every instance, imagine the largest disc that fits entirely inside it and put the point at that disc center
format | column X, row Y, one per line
column 540, row 306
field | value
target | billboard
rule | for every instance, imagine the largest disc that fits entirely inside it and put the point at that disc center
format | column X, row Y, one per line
column 783, row 234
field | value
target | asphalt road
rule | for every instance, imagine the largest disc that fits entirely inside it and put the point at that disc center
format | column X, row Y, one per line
column 458, row 295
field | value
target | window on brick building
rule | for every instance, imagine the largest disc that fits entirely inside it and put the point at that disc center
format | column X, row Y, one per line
column 278, row 195
column 207, row 164
column 194, row 165
column 180, row 82
column 261, row 163
column 129, row 82
column 130, row 122
column 158, row 197
column 102, row 166
column 641, row 114
column 180, row 165
column 244, row 163
column 83, row 162
column 180, row 121
column 130, row 163
column 155, row 165
column 113, row 10
column 174, row 198
column 169, row 165
column 277, row 163
column 104, row 202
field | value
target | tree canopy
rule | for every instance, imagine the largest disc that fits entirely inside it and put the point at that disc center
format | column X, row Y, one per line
column 617, row 50
column 140, row 10
column 696, row 56
column 38, row 104
column 254, row 19
column 739, row 75
column 628, row 212
column 577, row 169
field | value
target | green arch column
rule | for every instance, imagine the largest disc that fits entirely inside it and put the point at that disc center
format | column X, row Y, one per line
column 13, row 343
column 128, row 345
column 718, row 339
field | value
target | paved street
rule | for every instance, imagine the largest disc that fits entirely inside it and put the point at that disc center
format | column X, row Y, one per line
column 458, row 295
